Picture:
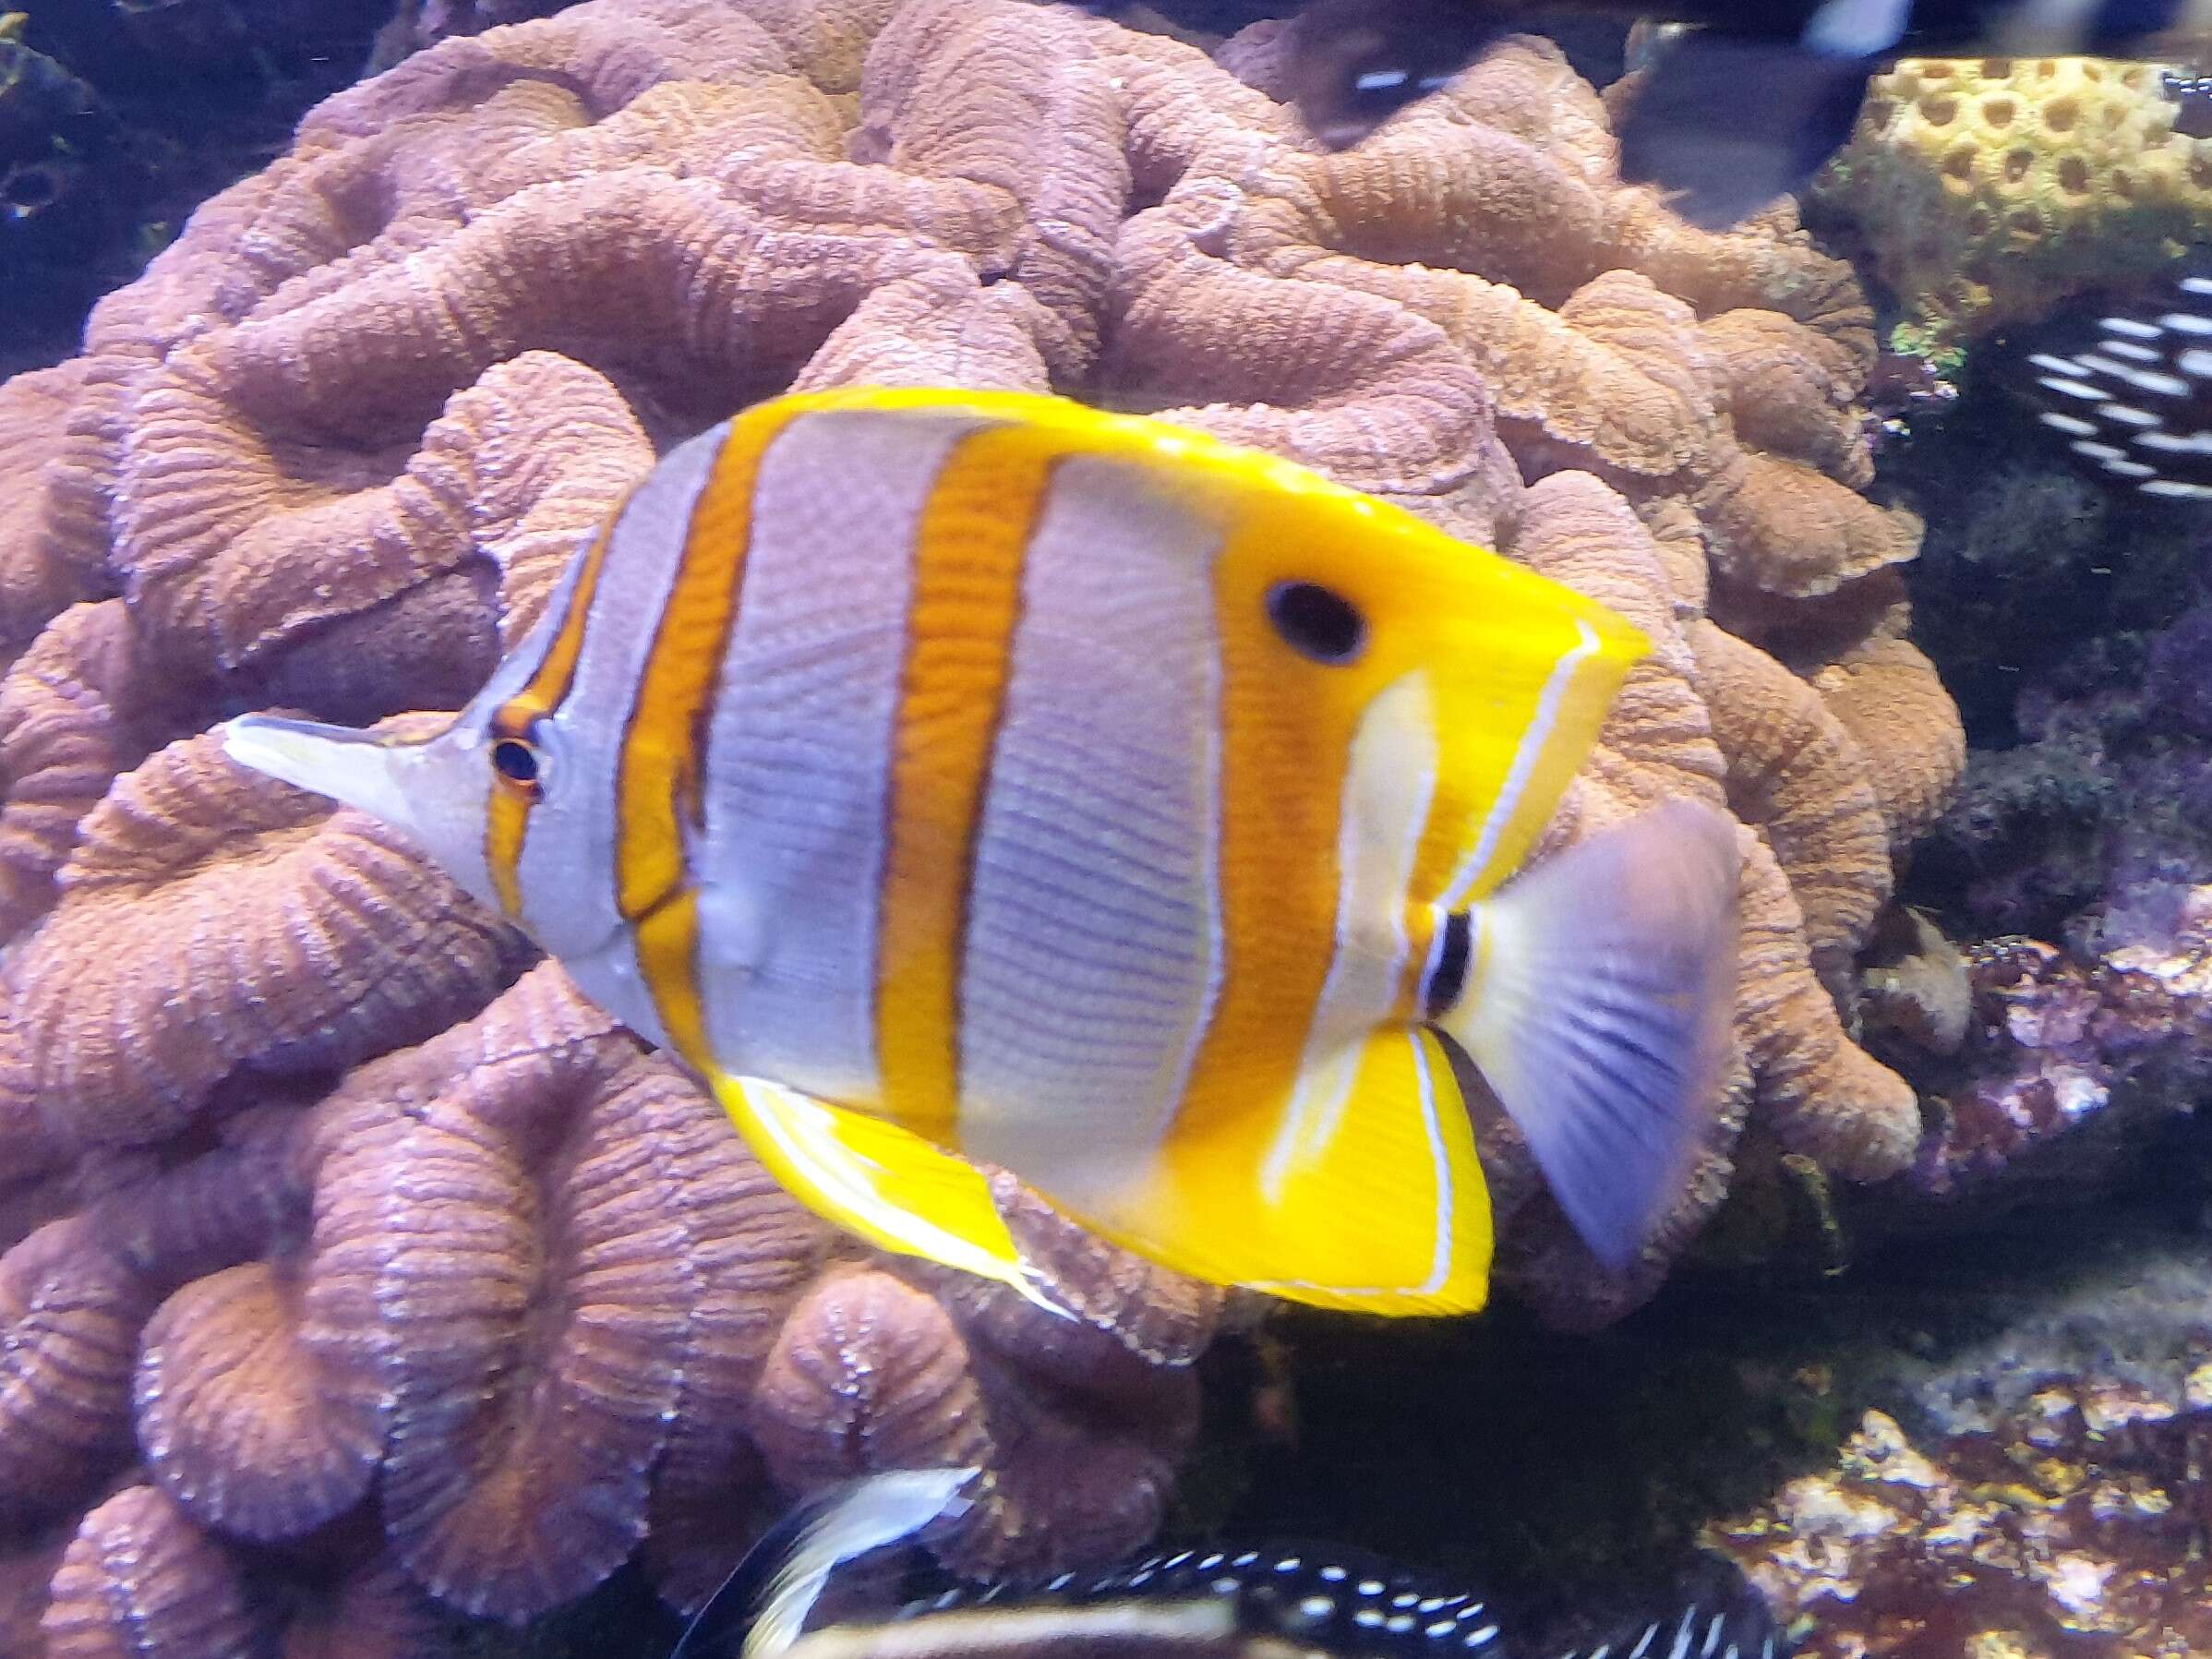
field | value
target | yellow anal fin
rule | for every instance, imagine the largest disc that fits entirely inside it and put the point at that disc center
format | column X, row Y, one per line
column 1378, row 1206
column 874, row 1178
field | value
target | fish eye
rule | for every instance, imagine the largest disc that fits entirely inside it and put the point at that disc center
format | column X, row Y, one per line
column 1315, row 622
column 516, row 763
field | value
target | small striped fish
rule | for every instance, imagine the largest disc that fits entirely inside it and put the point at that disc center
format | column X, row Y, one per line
column 2124, row 381
column 1219, row 1603
column 946, row 776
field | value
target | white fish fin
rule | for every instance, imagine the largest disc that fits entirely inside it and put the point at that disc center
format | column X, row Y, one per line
column 1597, row 1004
column 879, row 1181
column 771, row 1591
column 1388, row 1214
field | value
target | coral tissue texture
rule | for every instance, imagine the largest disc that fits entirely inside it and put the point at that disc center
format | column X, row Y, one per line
column 1989, row 189
column 332, row 1217
column 2041, row 1497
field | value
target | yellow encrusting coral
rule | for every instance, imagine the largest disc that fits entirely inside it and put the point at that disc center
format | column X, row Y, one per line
column 1990, row 189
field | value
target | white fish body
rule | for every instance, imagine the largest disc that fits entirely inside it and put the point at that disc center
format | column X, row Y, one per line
column 949, row 777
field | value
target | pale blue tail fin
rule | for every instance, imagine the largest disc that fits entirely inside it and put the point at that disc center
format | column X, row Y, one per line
column 1597, row 1004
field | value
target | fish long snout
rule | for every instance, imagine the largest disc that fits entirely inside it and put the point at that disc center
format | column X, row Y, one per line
column 354, row 767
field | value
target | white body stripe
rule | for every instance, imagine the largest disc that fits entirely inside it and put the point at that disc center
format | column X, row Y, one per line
column 798, row 753
column 1092, row 956
column 1524, row 762
column 568, row 868
column 1390, row 783
column 1439, row 1160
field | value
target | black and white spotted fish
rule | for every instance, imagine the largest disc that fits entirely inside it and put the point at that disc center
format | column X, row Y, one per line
column 2125, row 384
column 947, row 776
column 1741, row 103
column 2189, row 89
column 1221, row 1603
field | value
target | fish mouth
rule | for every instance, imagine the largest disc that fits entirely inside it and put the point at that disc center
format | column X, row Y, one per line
column 354, row 767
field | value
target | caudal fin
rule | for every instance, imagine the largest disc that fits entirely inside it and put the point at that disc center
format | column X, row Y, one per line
column 1597, row 1005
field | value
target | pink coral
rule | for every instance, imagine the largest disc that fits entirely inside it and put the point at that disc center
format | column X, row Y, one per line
column 162, row 971
column 44, row 571
column 500, row 1304
column 514, row 1230
column 138, row 1578
column 328, row 1217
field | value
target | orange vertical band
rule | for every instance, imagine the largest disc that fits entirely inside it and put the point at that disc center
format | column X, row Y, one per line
column 508, row 820
column 659, row 783
column 968, row 556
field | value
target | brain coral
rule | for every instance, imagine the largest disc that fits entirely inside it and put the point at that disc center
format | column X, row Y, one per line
column 329, row 1216
column 1990, row 189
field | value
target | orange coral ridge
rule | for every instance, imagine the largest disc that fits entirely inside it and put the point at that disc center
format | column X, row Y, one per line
column 329, row 453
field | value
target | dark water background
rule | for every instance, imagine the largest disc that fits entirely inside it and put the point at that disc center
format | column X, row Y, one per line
column 117, row 118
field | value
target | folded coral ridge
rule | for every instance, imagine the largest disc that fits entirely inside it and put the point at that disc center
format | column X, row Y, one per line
column 332, row 1217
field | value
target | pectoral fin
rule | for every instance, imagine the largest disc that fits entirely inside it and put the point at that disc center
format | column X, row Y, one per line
column 874, row 1178
column 1386, row 1214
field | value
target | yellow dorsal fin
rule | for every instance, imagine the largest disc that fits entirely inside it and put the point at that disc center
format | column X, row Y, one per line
column 888, row 1186
column 1388, row 1214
